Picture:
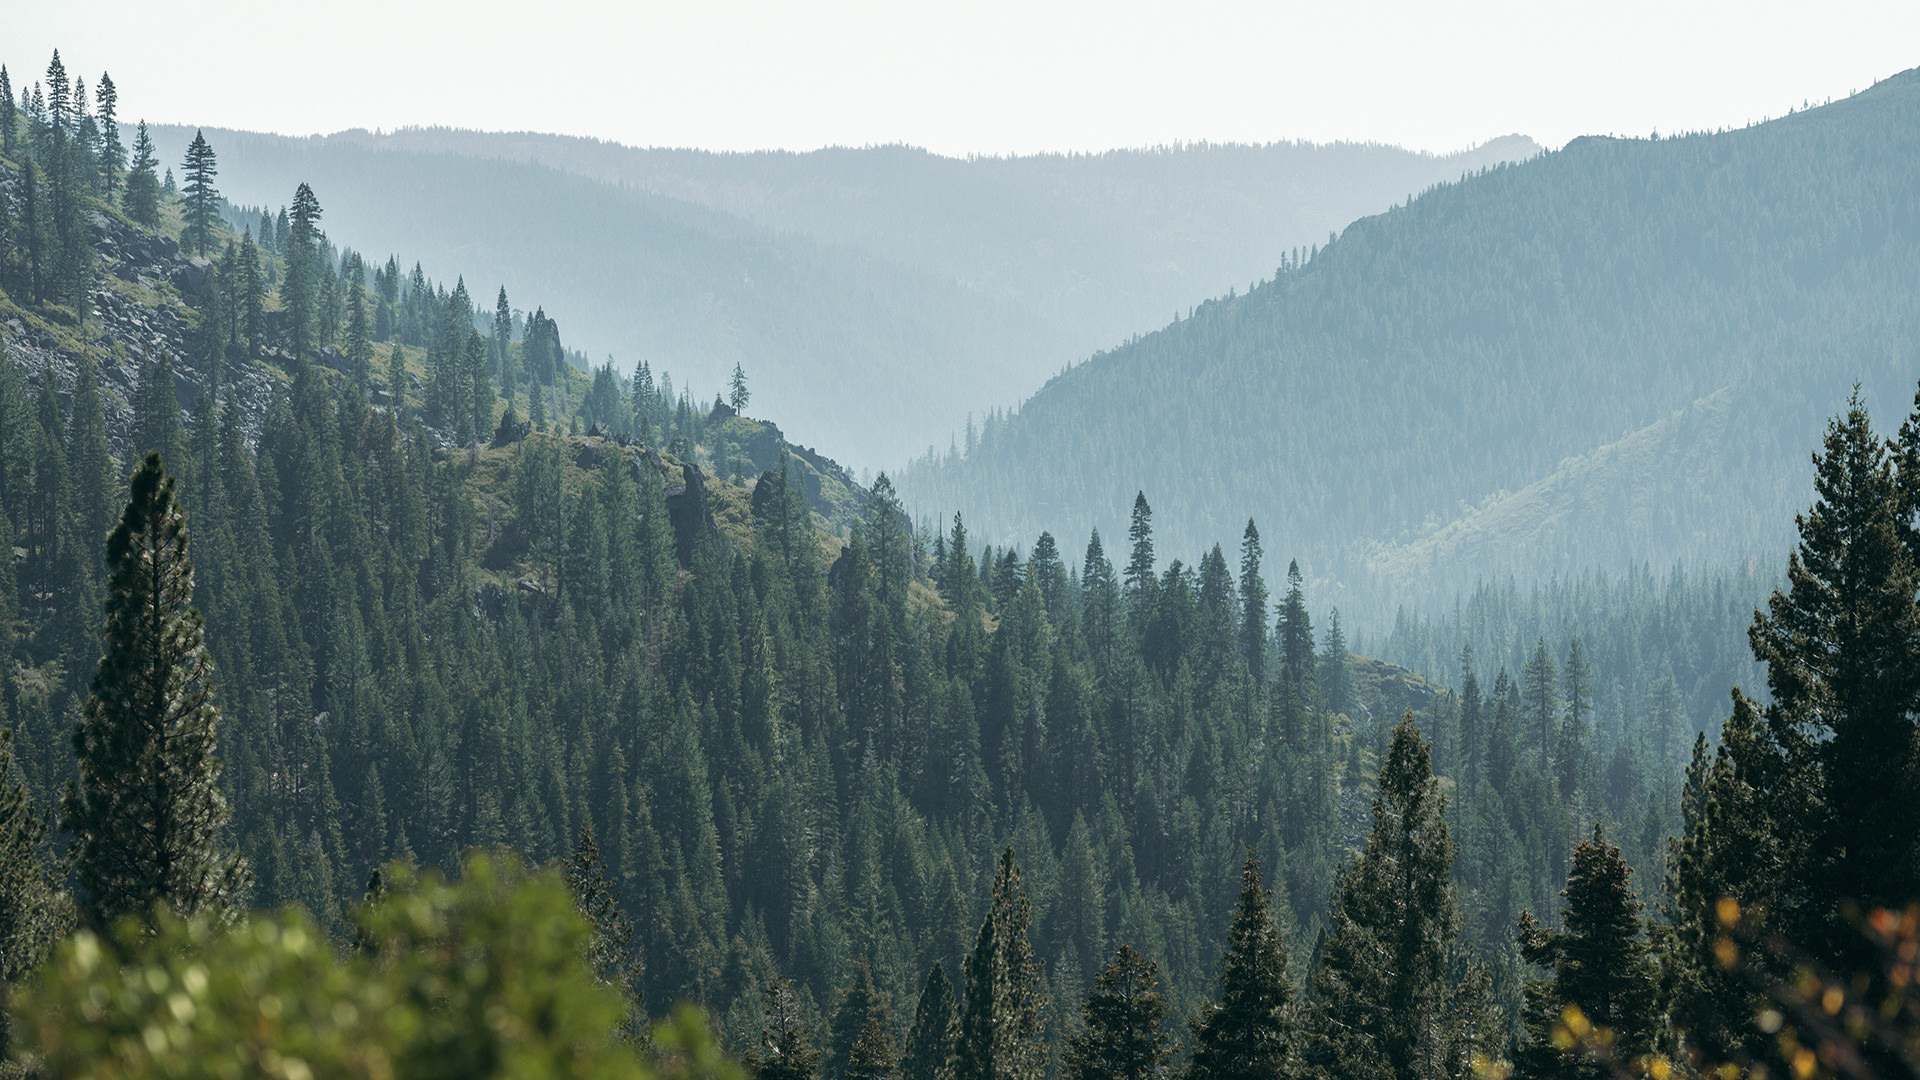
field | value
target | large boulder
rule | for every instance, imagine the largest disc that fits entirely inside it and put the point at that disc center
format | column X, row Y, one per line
column 193, row 277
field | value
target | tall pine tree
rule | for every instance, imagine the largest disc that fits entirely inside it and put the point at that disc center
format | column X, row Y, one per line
column 147, row 813
column 1248, row 1033
column 1381, row 979
column 1003, row 1027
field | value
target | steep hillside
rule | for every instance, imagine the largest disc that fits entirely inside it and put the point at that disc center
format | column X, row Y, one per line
column 842, row 347
column 1601, row 330
column 877, row 295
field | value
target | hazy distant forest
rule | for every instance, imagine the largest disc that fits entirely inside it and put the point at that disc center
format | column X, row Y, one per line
column 1606, row 356
column 386, row 696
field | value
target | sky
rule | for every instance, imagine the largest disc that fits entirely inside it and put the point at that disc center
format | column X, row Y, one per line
column 981, row 76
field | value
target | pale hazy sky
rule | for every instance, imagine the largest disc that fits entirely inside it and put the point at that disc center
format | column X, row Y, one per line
column 983, row 76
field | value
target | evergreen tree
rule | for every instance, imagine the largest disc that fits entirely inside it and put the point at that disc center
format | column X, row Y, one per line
column 737, row 393
column 1576, row 749
column 299, row 293
column 9, row 114
column 1003, row 1026
column 1120, row 1037
column 33, row 232
column 88, row 458
column 1138, row 580
column 1804, row 811
column 1253, row 606
column 1380, row 982
column 502, row 342
column 873, row 1057
column 935, row 1032
column 33, row 912
column 611, row 953
column 860, row 1007
column 1600, row 966
column 1298, row 682
column 1100, row 599
column 1539, row 689
column 1336, row 669
column 113, row 155
column 147, row 812
column 1247, row 1033
column 478, row 408
column 785, row 1049
column 203, row 199
column 156, row 413
column 252, row 291
column 359, row 336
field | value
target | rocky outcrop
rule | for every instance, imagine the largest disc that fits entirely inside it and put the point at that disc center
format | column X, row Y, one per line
column 687, row 509
column 125, row 333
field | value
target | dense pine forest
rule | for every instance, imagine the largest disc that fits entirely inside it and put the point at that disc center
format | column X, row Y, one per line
column 1608, row 355
column 387, row 696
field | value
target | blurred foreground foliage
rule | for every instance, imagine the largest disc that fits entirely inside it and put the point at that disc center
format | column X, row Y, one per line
column 486, row 976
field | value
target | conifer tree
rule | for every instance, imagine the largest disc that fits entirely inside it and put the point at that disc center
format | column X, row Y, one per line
column 1247, row 1033
column 33, row 912
column 112, row 154
column 1805, row 809
column 203, row 199
column 1599, row 965
column 9, row 113
column 1381, row 979
column 1120, row 1037
column 1539, row 688
column 88, row 458
column 147, row 812
column 1253, row 606
column 502, row 340
column 299, row 293
column 859, row 1011
column 737, row 393
column 611, row 954
column 1138, row 581
column 861, row 1005
column 156, row 413
column 1295, row 694
column 33, row 231
column 478, row 408
column 1100, row 599
column 873, row 1057
column 785, row 1049
column 1003, row 1026
column 59, row 97
column 359, row 338
column 1336, row 668
column 935, row 1032
column 252, row 290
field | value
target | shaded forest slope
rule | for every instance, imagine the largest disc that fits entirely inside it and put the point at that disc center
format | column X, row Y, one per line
column 1638, row 337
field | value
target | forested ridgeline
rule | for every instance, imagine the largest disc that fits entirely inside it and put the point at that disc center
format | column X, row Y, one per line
column 1604, row 356
column 936, row 286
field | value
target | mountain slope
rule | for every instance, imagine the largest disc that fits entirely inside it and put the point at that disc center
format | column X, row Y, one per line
column 1474, row 341
column 876, row 296
column 833, row 340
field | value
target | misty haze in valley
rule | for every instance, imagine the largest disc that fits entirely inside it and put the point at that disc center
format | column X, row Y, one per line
column 876, row 296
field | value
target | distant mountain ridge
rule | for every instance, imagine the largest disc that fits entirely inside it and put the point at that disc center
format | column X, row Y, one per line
column 875, row 296
column 1637, row 339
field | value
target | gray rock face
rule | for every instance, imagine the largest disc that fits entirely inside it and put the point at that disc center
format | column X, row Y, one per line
column 126, row 335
